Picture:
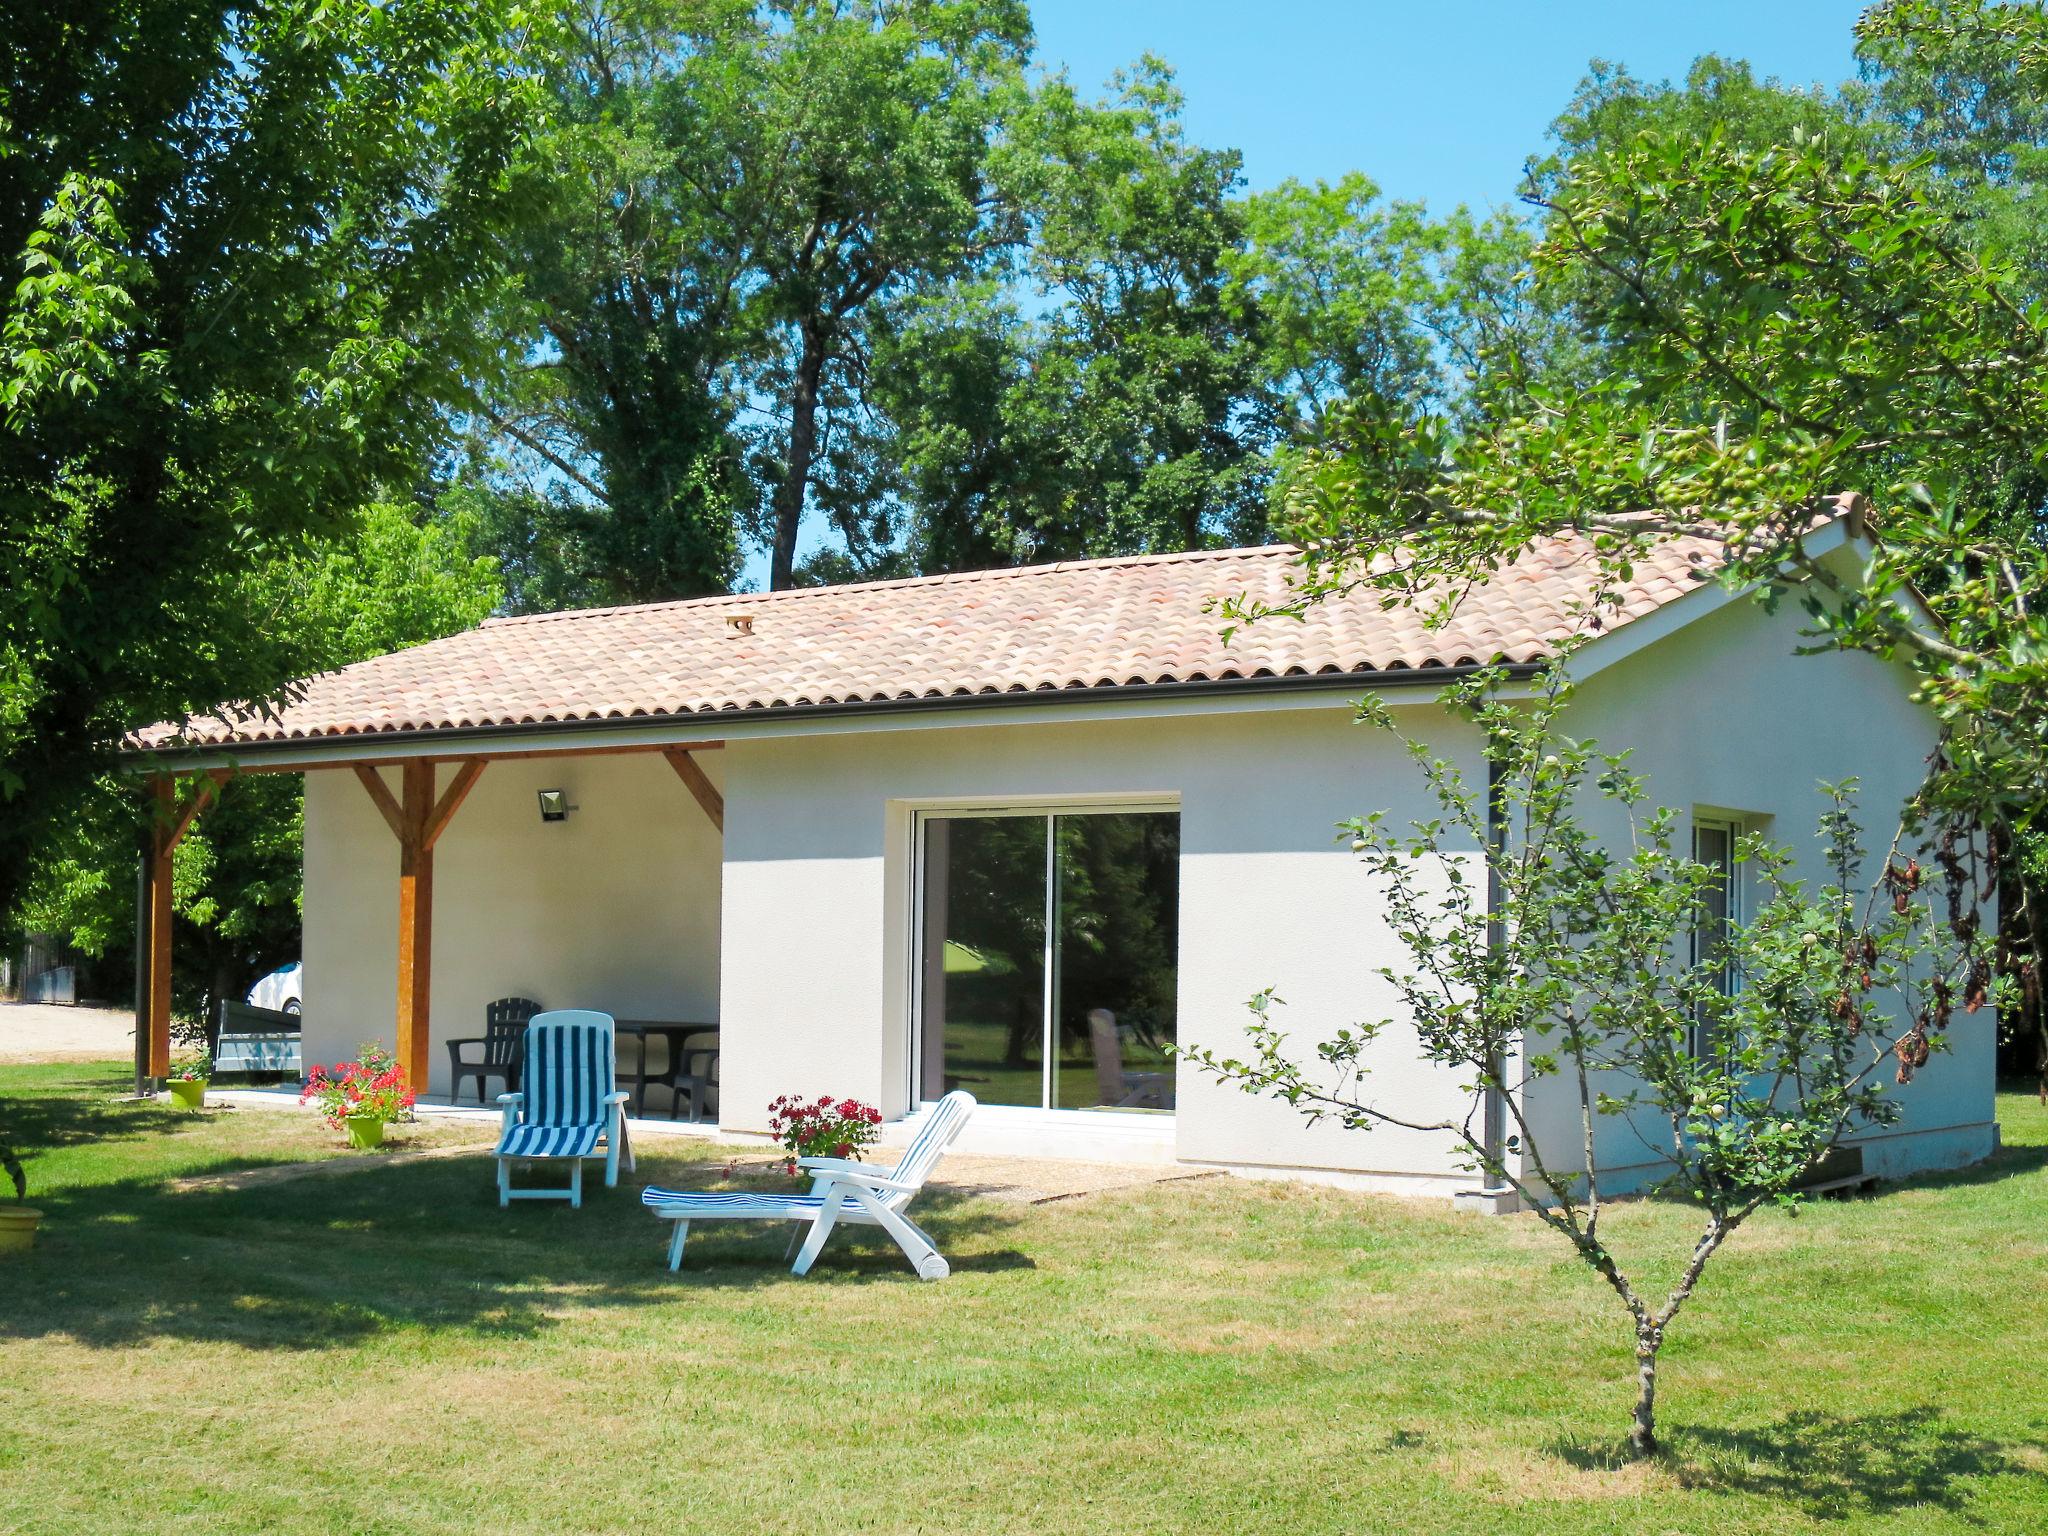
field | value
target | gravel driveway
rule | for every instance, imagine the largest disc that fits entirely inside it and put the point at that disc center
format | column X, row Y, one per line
column 46, row 1032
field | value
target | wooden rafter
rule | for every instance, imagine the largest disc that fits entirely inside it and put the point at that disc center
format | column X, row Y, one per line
column 451, row 801
column 698, row 784
column 380, row 796
column 174, row 820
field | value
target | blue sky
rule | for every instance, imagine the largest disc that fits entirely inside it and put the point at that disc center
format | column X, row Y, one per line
column 1435, row 99
column 1440, row 100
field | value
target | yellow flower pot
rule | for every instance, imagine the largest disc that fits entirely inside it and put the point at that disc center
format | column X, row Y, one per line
column 188, row 1095
column 18, row 1227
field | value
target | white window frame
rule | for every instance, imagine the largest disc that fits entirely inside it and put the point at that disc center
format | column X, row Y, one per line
column 1043, row 808
column 1734, row 827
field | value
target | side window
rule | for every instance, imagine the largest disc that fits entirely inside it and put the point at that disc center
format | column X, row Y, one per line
column 1713, row 844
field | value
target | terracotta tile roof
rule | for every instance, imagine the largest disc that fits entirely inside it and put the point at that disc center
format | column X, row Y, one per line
column 1071, row 629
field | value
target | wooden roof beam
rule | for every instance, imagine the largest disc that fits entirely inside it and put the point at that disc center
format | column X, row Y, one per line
column 698, row 784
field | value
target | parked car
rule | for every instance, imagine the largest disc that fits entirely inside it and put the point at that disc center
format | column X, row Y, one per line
column 281, row 990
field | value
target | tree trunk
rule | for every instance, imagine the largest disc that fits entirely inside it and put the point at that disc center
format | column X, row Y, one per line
column 803, row 436
column 219, row 988
column 1025, row 1026
column 1642, row 1434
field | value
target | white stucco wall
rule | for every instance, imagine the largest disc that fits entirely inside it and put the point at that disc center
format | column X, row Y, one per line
column 818, row 890
column 1723, row 716
column 615, row 908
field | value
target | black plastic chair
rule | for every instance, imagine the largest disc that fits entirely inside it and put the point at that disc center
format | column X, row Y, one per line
column 504, row 1043
column 692, row 1071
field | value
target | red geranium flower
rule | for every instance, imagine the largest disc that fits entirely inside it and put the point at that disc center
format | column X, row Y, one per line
column 831, row 1127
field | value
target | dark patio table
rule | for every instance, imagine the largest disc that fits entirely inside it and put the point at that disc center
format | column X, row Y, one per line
column 681, row 1057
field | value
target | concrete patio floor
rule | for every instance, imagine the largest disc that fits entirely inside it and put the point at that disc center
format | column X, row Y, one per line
column 1013, row 1180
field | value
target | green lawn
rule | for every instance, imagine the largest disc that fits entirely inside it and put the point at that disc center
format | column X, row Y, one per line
column 388, row 1351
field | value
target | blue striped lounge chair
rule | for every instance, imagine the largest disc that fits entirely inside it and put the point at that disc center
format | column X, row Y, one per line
column 842, row 1192
column 568, row 1102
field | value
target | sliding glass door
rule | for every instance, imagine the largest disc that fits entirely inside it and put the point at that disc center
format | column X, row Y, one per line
column 1048, row 958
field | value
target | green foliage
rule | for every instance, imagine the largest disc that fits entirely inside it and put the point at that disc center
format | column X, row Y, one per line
column 1718, row 95
column 851, row 263
column 1784, row 298
column 408, row 576
column 1960, row 83
column 246, row 252
column 1784, row 323
column 1144, row 366
column 1571, row 957
column 1095, row 398
column 624, row 480
column 1354, row 298
column 736, row 192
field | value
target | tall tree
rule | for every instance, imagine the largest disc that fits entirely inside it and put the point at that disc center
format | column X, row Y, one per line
column 1353, row 300
column 245, row 246
column 1717, row 95
column 847, row 266
column 608, row 466
column 1943, row 82
column 1105, row 399
column 1569, row 962
column 408, row 575
column 742, row 188
column 1359, row 296
column 867, row 128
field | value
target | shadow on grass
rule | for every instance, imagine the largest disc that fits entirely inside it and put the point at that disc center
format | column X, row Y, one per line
column 2005, row 1163
column 1832, row 1467
column 2008, row 1162
column 44, row 1121
column 321, row 1262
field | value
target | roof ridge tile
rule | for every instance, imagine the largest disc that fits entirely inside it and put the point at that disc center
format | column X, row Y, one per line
column 897, row 583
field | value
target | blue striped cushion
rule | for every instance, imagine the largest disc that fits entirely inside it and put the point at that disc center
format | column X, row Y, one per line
column 706, row 1200
column 549, row 1141
column 568, row 1073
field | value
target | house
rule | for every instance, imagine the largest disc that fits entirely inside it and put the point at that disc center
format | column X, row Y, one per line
column 1017, row 830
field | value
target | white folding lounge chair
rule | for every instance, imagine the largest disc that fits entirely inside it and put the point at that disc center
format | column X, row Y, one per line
column 568, row 1102
column 846, row 1192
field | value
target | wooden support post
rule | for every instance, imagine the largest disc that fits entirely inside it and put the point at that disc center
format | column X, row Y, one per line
column 161, row 848
column 415, row 922
column 144, row 861
column 417, row 819
column 695, row 779
column 169, row 821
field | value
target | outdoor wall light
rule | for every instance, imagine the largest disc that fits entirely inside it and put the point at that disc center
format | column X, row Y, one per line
column 554, row 805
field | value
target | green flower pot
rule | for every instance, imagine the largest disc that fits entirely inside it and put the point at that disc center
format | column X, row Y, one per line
column 365, row 1132
column 18, row 1227
column 188, row 1095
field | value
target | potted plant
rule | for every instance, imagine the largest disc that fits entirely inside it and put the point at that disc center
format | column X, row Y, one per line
column 824, row 1127
column 188, row 1079
column 18, row 1220
column 360, row 1097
